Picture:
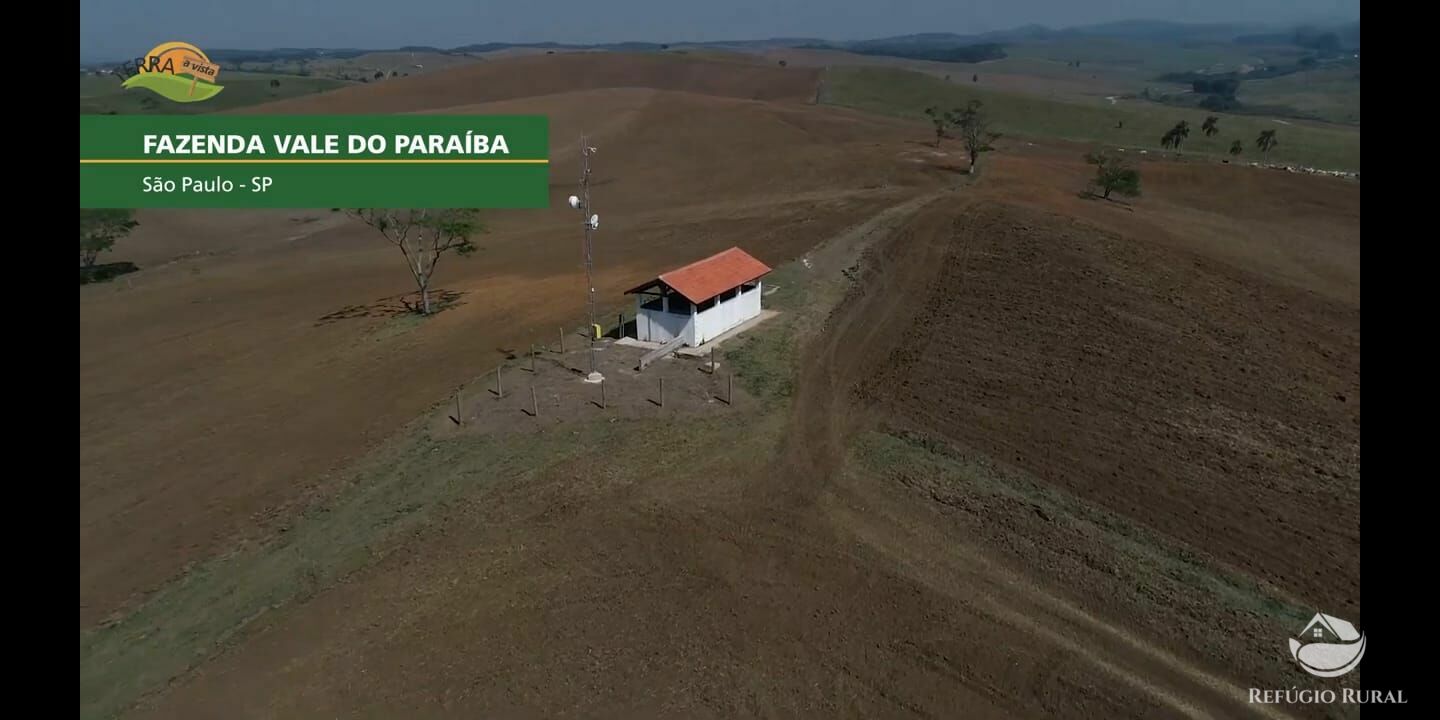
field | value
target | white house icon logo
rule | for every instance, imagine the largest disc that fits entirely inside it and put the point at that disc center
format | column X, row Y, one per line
column 1328, row 646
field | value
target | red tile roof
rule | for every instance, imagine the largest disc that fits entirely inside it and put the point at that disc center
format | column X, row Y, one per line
column 704, row 279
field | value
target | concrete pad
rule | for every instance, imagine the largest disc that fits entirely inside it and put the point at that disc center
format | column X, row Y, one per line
column 632, row 342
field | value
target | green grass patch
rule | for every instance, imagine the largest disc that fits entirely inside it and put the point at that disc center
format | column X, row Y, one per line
column 763, row 358
column 1126, row 124
column 104, row 94
column 1331, row 93
column 1123, row 57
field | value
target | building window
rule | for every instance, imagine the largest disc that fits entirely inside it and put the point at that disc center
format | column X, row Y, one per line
column 748, row 287
column 654, row 303
column 678, row 305
column 702, row 307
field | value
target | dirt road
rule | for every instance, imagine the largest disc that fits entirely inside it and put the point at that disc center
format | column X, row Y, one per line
column 757, row 579
column 224, row 386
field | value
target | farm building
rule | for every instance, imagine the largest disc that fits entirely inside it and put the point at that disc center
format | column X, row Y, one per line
column 699, row 301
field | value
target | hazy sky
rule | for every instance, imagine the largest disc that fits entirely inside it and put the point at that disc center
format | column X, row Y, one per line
column 122, row 28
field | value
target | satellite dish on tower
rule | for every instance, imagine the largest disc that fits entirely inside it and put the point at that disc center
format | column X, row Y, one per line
column 594, row 222
column 574, row 202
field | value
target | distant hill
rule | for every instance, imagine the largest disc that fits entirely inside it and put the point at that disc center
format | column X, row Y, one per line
column 226, row 55
column 947, row 46
column 1165, row 31
column 939, row 47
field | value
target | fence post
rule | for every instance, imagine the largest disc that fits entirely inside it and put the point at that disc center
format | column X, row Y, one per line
column 459, row 418
column 534, row 404
column 499, row 387
column 729, row 388
column 562, row 341
column 620, row 326
column 662, row 392
column 532, row 358
column 712, row 360
column 602, row 395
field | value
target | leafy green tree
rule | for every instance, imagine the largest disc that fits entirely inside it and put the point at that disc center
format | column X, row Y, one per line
column 1175, row 136
column 423, row 237
column 99, row 229
column 1266, row 142
column 1237, row 147
column 1113, row 175
column 1210, row 126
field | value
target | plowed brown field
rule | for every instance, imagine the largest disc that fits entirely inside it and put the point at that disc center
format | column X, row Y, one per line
column 1210, row 402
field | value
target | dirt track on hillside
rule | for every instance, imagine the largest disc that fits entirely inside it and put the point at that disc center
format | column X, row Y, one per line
column 753, row 586
column 256, row 353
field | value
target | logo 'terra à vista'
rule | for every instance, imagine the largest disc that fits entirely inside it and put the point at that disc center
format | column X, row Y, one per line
column 177, row 71
column 1328, row 646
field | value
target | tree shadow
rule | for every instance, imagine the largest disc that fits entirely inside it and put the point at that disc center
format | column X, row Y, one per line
column 1091, row 195
column 395, row 306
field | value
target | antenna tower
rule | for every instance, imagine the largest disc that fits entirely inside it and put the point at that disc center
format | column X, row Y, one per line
column 590, row 225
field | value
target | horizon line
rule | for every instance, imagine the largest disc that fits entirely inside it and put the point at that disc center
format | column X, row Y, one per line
column 1319, row 18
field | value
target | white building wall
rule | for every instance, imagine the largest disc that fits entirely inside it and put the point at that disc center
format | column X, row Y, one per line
column 662, row 327
column 723, row 316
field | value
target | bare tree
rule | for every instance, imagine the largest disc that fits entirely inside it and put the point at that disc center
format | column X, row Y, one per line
column 975, row 131
column 423, row 236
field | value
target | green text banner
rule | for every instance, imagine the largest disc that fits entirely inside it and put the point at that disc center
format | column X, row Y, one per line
column 314, row 161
